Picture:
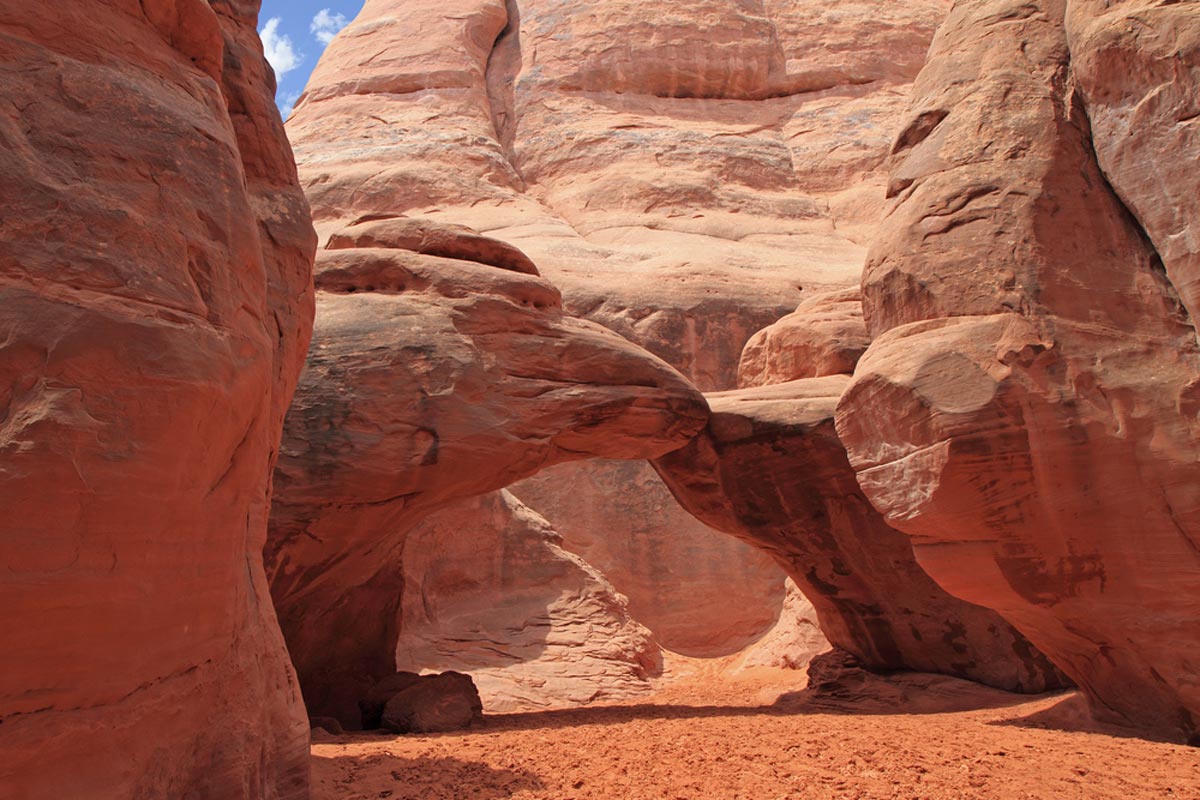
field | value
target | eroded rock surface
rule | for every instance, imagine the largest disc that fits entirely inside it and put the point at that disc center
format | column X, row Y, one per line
column 433, row 704
column 432, row 239
column 679, row 170
column 825, row 335
column 794, row 641
column 1027, row 412
column 155, row 304
column 431, row 380
column 702, row 592
column 1137, row 65
column 770, row 469
column 490, row 591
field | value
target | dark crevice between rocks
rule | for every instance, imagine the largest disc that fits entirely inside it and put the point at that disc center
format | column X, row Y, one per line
column 500, row 75
column 1078, row 115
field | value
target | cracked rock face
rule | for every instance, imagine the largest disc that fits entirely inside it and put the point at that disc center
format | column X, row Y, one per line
column 431, row 380
column 155, row 305
column 1137, row 67
column 680, row 170
column 1026, row 412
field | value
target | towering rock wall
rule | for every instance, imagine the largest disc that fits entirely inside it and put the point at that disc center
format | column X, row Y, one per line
column 155, row 305
column 679, row 170
column 684, row 172
column 1026, row 412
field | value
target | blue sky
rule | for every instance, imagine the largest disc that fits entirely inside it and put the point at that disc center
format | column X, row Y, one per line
column 294, row 34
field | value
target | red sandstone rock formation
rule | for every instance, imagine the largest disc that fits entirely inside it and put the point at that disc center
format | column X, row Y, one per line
column 795, row 639
column 1137, row 66
column 155, row 304
column 770, row 469
column 433, row 704
column 678, row 169
column 825, row 335
column 489, row 591
column 702, row 592
column 1027, row 411
column 432, row 239
column 431, row 380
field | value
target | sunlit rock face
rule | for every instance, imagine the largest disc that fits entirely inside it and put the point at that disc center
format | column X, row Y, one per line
column 1137, row 67
column 680, row 170
column 431, row 380
column 770, row 469
column 685, row 173
column 825, row 335
column 155, row 306
column 1027, row 410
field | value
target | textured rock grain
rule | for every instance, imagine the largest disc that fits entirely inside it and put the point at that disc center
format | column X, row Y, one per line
column 155, row 304
column 795, row 639
column 825, row 335
column 434, row 704
column 489, row 591
column 1137, row 64
column 1026, row 412
column 681, row 171
column 702, row 592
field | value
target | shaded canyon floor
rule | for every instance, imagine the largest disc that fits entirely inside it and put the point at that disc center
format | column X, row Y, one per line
column 715, row 733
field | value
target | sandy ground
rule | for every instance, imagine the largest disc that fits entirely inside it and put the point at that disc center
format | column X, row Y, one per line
column 759, row 736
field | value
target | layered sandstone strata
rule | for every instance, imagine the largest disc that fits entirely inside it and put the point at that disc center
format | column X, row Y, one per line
column 155, row 305
column 430, row 380
column 1027, row 411
column 681, row 170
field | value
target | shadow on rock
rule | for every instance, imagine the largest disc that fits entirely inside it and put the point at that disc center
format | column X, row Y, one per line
column 837, row 685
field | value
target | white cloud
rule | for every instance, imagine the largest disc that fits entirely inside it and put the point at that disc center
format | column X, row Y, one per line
column 326, row 24
column 287, row 103
column 281, row 53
